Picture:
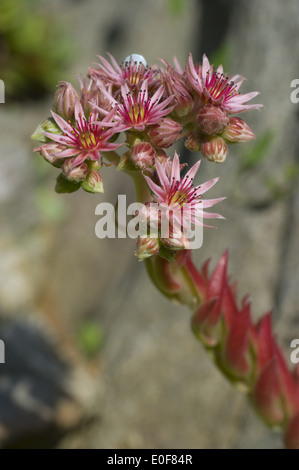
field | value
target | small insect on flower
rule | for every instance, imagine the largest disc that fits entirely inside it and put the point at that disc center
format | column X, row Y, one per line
column 132, row 72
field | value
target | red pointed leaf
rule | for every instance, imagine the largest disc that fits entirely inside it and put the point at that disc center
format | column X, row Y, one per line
column 237, row 342
column 218, row 278
column 267, row 394
column 292, row 433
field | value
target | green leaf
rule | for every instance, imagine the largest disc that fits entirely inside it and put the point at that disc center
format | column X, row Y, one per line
column 65, row 186
column 48, row 125
column 90, row 338
column 176, row 7
column 166, row 254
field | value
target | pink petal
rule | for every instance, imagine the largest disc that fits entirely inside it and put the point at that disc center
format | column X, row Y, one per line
column 162, row 176
column 157, row 190
column 244, row 98
column 79, row 113
column 79, row 159
column 64, row 126
column 220, row 70
column 193, row 76
column 157, row 95
column 206, row 186
column 212, row 215
column 205, row 66
column 192, row 172
column 177, row 66
column 211, row 202
column 61, row 139
column 67, row 153
column 175, row 168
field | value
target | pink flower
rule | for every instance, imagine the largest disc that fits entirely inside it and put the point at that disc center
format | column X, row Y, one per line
column 86, row 139
column 132, row 72
column 91, row 94
column 180, row 199
column 140, row 110
column 218, row 89
column 176, row 84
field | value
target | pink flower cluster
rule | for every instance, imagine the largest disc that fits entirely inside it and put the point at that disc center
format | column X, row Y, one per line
column 153, row 107
column 159, row 104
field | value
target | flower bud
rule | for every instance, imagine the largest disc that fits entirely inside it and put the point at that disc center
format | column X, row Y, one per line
column 143, row 155
column 65, row 100
column 184, row 103
column 147, row 247
column 212, row 120
column 193, row 142
column 93, row 183
column 237, row 131
column 49, row 152
column 165, row 133
column 177, row 241
column 214, row 149
column 175, row 85
column 75, row 173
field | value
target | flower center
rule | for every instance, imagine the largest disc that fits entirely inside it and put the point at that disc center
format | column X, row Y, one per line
column 87, row 140
column 219, row 86
column 136, row 113
column 135, row 109
column 86, row 136
column 179, row 197
column 182, row 192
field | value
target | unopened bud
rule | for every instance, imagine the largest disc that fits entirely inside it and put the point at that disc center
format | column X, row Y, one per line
column 177, row 241
column 175, row 85
column 193, row 142
column 147, row 247
column 165, row 133
column 184, row 103
column 93, row 183
column 237, row 131
column 143, row 155
column 212, row 120
column 65, row 100
column 214, row 149
column 50, row 152
column 75, row 173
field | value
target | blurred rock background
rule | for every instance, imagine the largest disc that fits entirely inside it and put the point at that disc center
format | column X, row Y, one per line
column 94, row 356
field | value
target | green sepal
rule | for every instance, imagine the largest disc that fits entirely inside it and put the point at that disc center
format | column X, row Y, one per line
column 65, row 186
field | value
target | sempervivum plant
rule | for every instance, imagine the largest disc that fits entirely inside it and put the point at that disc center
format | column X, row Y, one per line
column 127, row 115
